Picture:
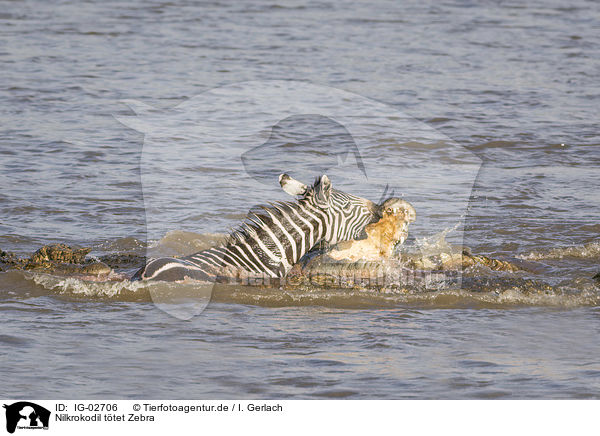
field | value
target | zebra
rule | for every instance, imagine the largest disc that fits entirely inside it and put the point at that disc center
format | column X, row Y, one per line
column 275, row 237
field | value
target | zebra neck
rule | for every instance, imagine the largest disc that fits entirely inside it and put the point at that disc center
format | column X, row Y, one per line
column 282, row 235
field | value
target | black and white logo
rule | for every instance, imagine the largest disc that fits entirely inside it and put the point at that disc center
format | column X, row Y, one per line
column 26, row 415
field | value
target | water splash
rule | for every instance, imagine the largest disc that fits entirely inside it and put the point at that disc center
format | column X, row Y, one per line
column 437, row 243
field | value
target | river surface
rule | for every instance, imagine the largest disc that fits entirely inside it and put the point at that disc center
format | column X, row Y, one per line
column 142, row 126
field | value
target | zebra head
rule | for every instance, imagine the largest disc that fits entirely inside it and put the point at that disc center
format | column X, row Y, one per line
column 344, row 215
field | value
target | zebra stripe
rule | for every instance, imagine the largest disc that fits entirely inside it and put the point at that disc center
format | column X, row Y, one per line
column 298, row 230
column 290, row 257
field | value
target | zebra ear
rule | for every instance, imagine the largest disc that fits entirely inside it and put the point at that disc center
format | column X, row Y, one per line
column 292, row 186
column 323, row 190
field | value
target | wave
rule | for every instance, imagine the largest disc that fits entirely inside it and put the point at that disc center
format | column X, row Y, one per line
column 183, row 243
column 586, row 251
column 449, row 298
column 117, row 287
column 476, row 293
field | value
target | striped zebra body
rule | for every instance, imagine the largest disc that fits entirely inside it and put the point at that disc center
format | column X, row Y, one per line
column 275, row 237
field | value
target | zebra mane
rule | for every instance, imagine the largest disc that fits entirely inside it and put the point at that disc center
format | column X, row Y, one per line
column 311, row 189
column 258, row 218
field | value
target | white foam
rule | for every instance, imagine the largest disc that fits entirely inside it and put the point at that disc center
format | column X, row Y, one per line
column 112, row 289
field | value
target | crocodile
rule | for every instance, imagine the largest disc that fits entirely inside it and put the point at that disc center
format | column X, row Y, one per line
column 58, row 259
